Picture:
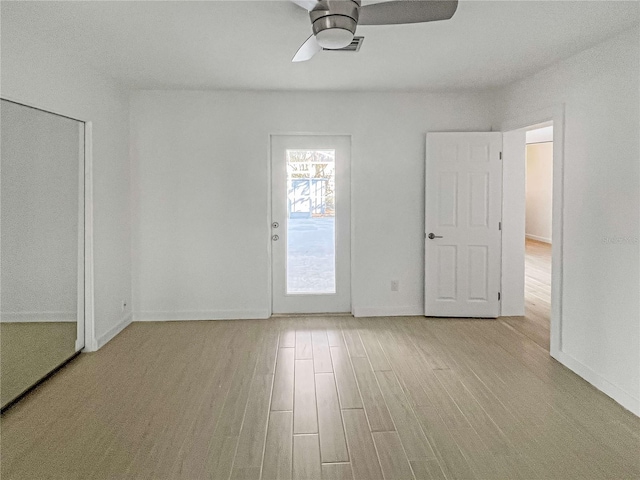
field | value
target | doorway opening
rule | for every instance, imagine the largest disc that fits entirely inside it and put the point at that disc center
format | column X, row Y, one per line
column 537, row 195
column 538, row 227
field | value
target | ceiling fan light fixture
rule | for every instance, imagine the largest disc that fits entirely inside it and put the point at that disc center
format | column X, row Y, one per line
column 334, row 31
column 334, row 38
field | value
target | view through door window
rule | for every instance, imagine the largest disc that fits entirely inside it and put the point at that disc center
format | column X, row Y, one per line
column 311, row 213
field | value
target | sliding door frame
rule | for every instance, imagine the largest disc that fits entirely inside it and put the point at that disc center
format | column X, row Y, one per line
column 86, row 329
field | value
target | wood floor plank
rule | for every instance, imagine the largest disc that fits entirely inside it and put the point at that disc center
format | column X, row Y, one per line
column 287, row 336
column 372, row 399
column 411, row 386
column 348, row 392
column 394, row 462
column 223, row 443
column 304, row 347
column 374, row 351
column 335, row 337
column 284, row 380
column 353, row 342
column 278, row 454
column 451, row 459
column 415, row 442
column 306, row 457
column 266, row 361
column 254, row 426
column 427, row 470
column 245, row 473
column 321, row 355
column 491, row 436
column 337, row 471
column 333, row 446
column 440, row 398
column 364, row 459
column 305, row 419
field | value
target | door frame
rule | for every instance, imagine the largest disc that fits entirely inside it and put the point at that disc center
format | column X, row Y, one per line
column 555, row 114
column 90, row 343
column 270, row 212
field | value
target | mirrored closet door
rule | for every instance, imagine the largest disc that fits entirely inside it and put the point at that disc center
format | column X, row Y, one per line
column 41, row 246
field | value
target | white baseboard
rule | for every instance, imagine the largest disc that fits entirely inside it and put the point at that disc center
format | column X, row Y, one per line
column 540, row 239
column 102, row 340
column 38, row 317
column 200, row 315
column 623, row 398
column 395, row 311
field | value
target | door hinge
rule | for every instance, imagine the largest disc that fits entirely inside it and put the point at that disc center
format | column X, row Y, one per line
column 498, row 295
column 499, row 225
column 500, row 155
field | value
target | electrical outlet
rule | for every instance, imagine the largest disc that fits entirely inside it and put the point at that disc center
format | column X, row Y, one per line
column 395, row 285
column 124, row 305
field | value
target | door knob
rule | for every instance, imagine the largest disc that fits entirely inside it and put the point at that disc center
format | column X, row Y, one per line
column 275, row 238
column 432, row 236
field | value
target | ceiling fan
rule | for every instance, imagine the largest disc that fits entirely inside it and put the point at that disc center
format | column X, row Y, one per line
column 334, row 22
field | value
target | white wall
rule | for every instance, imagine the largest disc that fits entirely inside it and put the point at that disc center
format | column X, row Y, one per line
column 201, row 178
column 539, row 191
column 601, row 259
column 51, row 82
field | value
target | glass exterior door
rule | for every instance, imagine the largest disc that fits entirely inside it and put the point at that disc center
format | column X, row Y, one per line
column 310, row 233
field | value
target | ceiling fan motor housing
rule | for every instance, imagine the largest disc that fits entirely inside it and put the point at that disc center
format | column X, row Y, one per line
column 338, row 14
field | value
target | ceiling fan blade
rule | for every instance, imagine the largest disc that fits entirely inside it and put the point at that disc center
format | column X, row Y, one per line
column 306, row 4
column 407, row 11
column 307, row 50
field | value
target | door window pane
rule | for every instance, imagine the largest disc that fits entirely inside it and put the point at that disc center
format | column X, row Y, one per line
column 311, row 239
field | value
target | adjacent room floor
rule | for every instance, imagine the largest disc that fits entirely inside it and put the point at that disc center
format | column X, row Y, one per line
column 319, row 397
column 537, row 294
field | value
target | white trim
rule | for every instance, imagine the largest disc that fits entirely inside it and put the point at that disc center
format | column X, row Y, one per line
column 80, row 293
column 124, row 322
column 625, row 399
column 390, row 311
column 201, row 315
column 268, row 231
column 28, row 104
column 39, row 317
column 90, row 342
column 530, row 120
column 538, row 238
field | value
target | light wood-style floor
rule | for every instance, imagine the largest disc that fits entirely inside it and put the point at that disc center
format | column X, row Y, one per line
column 537, row 294
column 319, row 398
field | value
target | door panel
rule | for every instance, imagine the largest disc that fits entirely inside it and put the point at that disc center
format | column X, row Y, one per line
column 42, row 237
column 311, row 225
column 462, row 211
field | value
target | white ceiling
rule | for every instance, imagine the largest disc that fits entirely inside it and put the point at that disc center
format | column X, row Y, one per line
column 249, row 44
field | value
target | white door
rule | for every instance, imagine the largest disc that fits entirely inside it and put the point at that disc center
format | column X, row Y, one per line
column 311, row 223
column 463, row 200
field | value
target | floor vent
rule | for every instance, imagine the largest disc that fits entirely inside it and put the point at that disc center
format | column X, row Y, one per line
column 354, row 46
